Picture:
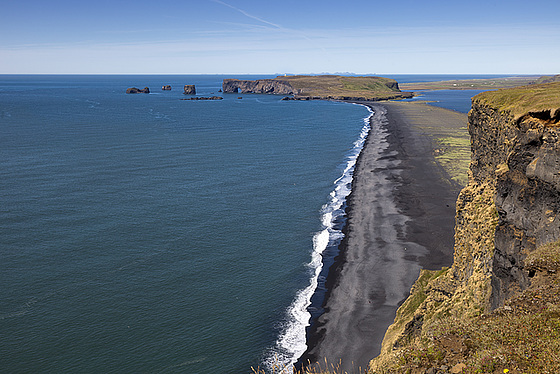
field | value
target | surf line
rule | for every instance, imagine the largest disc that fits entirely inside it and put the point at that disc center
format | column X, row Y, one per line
column 292, row 341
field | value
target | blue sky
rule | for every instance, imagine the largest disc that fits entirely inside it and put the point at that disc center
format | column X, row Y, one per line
column 288, row 36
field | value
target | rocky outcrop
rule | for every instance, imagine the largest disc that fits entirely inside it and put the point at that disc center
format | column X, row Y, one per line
column 189, row 89
column 262, row 86
column 521, row 158
column 166, row 88
column 134, row 90
column 509, row 209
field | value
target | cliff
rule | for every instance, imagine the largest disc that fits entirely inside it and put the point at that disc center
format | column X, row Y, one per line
column 498, row 306
column 263, row 86
column 321, row 87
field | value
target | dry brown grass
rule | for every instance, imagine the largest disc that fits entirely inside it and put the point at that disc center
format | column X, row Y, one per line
column 521, row 337
column 523, row 100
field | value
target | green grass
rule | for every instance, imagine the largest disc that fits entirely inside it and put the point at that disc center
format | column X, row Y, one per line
column 523, row 100
column 453, row 154
column 418, row 295
column 471, row 84
column 544, row 257
column 525, row 342
column 339, row 87
column 368, row 84
column 521, row 337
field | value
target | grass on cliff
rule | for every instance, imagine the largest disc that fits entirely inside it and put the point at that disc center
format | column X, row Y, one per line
column 417, row 297
column 523, row 100
column 336, row 86
column 521, row 337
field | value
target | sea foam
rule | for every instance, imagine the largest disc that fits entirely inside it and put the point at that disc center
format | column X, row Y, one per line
column 291, row 344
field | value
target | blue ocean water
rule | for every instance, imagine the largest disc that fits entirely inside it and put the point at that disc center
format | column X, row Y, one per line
column 142, row 233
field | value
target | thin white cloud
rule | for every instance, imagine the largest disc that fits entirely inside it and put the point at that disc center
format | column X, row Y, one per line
column 274, row 25
column 249, row 15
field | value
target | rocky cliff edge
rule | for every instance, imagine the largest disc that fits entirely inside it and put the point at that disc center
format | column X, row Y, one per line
column 497, row 309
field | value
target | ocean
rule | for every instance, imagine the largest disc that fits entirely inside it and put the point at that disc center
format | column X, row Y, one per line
column 142, row 233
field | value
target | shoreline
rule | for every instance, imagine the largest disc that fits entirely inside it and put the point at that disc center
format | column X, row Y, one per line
column 400, row 218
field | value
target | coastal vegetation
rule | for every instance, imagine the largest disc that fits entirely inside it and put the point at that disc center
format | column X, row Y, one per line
column 525, row 100
column 452, row 153
column 321, row 87
column 448, row 133
column 523, row 336
column 336, row 86
column 471, row 84
column 481, row 84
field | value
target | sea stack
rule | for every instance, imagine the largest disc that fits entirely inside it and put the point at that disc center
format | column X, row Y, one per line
column 189, row 89
column 134, row 90
column 166, row 88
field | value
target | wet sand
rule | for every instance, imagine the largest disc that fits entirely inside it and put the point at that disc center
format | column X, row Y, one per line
column 401, row 216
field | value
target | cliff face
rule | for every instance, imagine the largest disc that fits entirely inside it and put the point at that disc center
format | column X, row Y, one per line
column 520, row 158
column 189, row 89
column 263, row 86
column 505, row 216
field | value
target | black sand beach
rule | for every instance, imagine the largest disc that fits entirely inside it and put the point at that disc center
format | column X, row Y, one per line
column 400, row 219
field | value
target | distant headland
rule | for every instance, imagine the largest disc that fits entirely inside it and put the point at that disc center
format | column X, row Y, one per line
column 321, row 87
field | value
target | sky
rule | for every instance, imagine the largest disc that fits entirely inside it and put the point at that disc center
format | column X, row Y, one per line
column 276, row 37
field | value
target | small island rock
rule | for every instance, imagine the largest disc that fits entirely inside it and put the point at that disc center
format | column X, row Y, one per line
column 134, row 90
column 166, row 88
column 189, row 89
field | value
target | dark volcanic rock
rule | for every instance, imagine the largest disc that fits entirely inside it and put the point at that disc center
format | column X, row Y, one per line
column 263, row 86
column 521, row 159
column 166, row 88
column 189, row 89
column 134, row 90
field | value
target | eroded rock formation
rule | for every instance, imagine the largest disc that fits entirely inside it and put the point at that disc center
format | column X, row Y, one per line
column 134, row 90
column 521, row 158
column 263, row 86
column 189, row 89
